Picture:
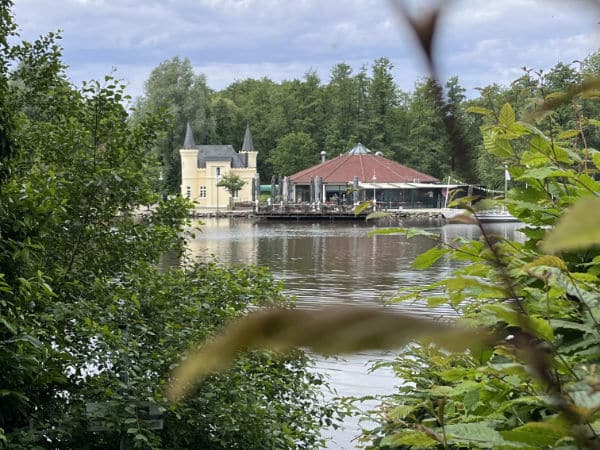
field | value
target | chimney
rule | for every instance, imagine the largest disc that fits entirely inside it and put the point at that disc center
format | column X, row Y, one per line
column 323, row 155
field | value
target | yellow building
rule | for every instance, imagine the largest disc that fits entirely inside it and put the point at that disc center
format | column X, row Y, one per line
column 202, row 166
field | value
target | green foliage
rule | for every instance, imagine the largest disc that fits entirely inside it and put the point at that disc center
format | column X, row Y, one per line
column 90, row 327
column 294, row 152
column 232, row 182
column 173, row 90
column 536, row 386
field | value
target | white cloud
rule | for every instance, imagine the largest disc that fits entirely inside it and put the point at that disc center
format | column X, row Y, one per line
column 233, row 39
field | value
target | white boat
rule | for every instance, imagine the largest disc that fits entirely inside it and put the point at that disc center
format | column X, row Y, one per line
column 495, row 215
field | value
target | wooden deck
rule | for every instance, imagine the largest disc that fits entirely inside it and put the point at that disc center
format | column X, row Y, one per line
column 335, row 212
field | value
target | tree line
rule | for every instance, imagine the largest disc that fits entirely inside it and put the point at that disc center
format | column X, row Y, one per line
column 294, row 120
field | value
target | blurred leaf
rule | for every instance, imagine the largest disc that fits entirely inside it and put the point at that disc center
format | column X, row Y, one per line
column 567, row 134
column 588, row 85
column 331, row 330
column 428, row 258
column 361, row 207
column 479, row 110
column 548, row 260
column 388, row 231
column 378, row 215
column 596, row 159
column 411, row 438
column 577, row 229
column 463, row 218
column 410, row 232
column 538, row 434
column 481, row 433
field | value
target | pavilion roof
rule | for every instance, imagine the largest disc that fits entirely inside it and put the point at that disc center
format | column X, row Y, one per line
column 365, row 165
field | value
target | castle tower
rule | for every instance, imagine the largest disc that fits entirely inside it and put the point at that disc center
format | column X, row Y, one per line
column 248, row 149
column 189, row 164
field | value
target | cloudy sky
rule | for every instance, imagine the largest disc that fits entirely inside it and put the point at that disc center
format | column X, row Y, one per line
column 480, row 41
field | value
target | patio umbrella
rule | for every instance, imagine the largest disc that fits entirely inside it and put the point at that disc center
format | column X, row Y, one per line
column 280, row 188
column 256, row 195
column 273, row 187
column 285, row 193
column 319, row 189
column 355, row 190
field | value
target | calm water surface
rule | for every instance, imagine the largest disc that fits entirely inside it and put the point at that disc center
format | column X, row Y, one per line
column 330, row 263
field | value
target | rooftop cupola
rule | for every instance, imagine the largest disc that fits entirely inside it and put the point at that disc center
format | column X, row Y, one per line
column 359, row 149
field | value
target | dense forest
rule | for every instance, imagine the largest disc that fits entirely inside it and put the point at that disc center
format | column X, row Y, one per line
column 294, row 120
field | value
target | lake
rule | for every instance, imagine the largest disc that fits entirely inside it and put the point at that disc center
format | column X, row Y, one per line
column 330, row 263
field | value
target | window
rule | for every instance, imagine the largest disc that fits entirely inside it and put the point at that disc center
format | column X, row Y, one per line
column 188, row 192
column 218, row 171
column 236, row 194
column 203, row 191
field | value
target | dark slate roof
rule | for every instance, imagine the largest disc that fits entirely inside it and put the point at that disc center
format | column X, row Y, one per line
column 248, row 146
column 224, row 153
column 188, row 142
column 364, row 165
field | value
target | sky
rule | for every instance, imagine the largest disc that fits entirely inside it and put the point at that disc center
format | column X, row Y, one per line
column 480, row 41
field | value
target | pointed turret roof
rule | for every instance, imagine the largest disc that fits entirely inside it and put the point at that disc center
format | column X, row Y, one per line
column 248, row 146
column 189, row 137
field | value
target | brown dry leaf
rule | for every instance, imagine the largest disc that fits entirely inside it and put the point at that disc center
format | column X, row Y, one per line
column 463, row 218
column 331, row 330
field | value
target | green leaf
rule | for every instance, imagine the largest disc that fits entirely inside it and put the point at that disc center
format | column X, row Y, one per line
column 411, row 438
column 400, row 412
column 386, row 231
column 534, row 159
column 589, row 183
column 428, row 258
column 9, row 327
column 479, row 110
column 537, row 434
column 596, row 159
column 378, row 215
column 567, row 134
column 507, row 115
column 518, row 129
column 540, row 327
column 548, row 260
column 497, row 146
column 480, row 434
column 577, row 229
column 362, row 207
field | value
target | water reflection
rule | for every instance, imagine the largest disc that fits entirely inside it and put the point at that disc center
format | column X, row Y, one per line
column 337, row 263
column 331, row 262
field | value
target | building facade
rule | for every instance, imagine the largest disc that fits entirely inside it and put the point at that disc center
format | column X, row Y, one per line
column 203, row 166
column 360, row 175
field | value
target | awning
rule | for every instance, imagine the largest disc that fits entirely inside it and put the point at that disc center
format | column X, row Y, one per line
column 408, row 186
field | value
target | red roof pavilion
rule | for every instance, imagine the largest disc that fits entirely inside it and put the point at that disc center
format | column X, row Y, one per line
column 360, row 162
